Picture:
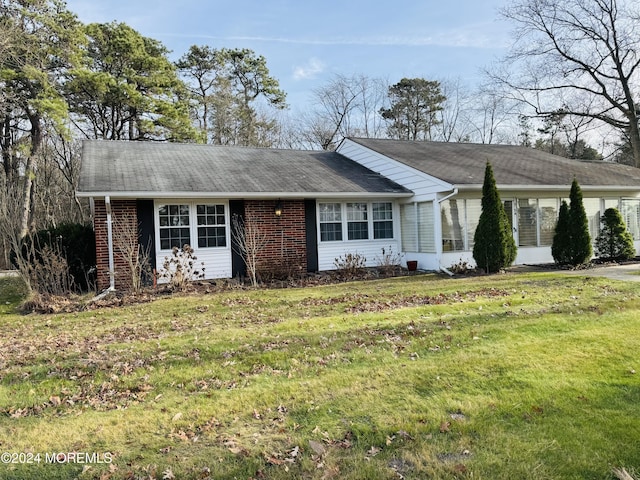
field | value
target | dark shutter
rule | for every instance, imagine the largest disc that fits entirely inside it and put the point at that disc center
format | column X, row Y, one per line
column 312, row 234
column 145, row 213
column 238, row 267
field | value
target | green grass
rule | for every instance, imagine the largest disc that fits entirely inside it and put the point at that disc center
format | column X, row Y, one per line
column 528, row 376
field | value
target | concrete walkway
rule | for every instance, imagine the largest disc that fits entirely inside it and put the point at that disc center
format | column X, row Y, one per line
column 8, row 273
column 628, row 272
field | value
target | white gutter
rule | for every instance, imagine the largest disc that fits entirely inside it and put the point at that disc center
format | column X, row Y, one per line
column 244, row 195
column 440, row 267
column 112, row 276
column 452, row 194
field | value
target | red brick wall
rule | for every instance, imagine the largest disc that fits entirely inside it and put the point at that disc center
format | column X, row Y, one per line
column 286, row 249
column 120, row 210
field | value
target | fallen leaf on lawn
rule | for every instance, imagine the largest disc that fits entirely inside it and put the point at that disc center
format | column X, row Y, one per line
column 294, row 452
column 445, row 427
column 275, row 461
column 168, row 474
column 373, row 451
column 176, row 417
column 317, row 447
column 330, row 473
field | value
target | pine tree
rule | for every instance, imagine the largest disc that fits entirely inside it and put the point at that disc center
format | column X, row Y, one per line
column 614, row 241
column 494, row 247
column 561, row 239
column 580, row 249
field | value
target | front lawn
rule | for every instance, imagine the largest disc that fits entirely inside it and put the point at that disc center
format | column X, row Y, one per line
column 527, row 376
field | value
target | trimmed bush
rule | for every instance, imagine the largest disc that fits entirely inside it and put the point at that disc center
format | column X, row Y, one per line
column 580, row 249
column 560, row 248
column 494, row 247
column 614, row 242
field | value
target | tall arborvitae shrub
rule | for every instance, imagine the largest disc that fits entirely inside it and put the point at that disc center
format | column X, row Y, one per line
column 560, row 248
column 494, row 247
column 614, row 242
column 580, row 249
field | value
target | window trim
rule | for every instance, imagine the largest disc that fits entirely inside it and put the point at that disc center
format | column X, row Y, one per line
column 193, row 222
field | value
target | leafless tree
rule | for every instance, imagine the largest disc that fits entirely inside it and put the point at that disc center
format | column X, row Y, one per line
column 582, row 55
column 345, row 106
column 492, row 116
column 454, row 125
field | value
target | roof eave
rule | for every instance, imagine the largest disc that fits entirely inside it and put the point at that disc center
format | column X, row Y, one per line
column 551, row 188
column 241, row 195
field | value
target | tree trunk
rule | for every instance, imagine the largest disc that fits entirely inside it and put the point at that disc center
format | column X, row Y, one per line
column 29, row 173
column 634, row 138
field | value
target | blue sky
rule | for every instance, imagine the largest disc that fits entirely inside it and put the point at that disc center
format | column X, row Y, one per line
column 305, row 42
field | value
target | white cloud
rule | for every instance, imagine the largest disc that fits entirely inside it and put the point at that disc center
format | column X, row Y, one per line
column 308, row 71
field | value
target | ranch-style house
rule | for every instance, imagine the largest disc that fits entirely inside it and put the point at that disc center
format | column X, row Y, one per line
column 421, row 199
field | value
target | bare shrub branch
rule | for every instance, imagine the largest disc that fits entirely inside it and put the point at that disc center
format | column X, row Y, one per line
column 137, row 257
column 250, row 239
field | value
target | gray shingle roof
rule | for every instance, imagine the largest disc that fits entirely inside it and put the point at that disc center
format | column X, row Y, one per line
column 121, row 168
column 463, row 164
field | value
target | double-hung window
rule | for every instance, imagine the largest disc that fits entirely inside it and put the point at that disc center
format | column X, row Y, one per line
column 179, row 223
column 330, row 222
column 174, row 226
column 382, row 220
column 357, row 223
column 212, row 230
